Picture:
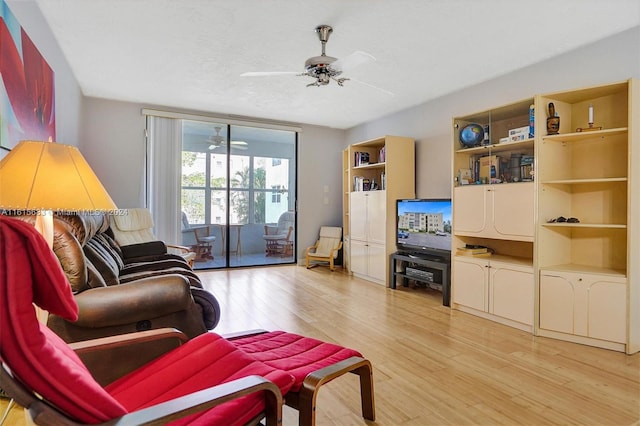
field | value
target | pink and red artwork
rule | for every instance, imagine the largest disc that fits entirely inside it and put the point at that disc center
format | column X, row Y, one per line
column 27, row 110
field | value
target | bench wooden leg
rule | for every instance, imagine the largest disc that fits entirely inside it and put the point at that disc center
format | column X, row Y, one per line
column 305, row 400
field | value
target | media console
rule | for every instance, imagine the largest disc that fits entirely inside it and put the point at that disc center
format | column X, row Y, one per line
column 426, row 269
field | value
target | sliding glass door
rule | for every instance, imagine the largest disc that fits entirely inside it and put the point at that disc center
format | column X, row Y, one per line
column 238, row 194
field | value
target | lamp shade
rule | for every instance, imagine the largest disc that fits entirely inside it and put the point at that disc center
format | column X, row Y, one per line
column 39, row 175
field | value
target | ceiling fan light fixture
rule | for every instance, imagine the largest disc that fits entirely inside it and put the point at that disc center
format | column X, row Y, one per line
column 217, row 140
column 319, row 63
column 324, row 68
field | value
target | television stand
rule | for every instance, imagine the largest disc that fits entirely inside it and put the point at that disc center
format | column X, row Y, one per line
column 426, row 269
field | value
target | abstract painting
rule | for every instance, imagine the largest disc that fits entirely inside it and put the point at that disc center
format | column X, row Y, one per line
column 27, row 110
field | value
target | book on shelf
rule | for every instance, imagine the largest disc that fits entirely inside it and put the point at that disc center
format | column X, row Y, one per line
column 361, row 158
column 473, row 251
column 526, row 167
column 464, row 253
column 526, row 160
column 489, row 168
column 360, row 183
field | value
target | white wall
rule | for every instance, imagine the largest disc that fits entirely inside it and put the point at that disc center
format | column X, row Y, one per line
column 610, row 60
column 113, row 143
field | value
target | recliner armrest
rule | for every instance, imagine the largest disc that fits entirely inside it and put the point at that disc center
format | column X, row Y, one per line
column 129, row 303
column 155, row 265
column 151, row 248
column 105, row 343
column 109, row 358
column 210, row 397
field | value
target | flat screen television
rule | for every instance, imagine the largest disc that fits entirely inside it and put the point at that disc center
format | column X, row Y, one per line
column 423, row 227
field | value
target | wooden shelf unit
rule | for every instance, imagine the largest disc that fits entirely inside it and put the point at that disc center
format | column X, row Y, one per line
column 587, row 281
column 367, row 255
column 499, row 215
column 586, row 274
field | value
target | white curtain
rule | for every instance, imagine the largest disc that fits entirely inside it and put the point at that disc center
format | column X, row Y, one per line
column 164, row 146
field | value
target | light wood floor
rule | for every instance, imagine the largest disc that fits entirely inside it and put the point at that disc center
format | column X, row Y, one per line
column 432, row 365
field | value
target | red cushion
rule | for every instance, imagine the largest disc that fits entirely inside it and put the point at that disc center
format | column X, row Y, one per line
column 30, row 272
column 293, row 353
column 202, row 362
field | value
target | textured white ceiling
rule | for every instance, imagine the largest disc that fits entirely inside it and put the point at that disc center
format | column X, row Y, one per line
column 190, row 53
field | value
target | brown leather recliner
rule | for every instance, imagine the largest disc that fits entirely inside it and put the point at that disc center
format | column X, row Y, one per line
column 117, row 295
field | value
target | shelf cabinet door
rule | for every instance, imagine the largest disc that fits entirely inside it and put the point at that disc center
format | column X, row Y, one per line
column 470, row 285
column 511, row 292
column 376, row 217
column 358, row 216
column 607, row 310
column 513, row 210
column 504, row 211
column 368, row 260
column 359, row 257
column 556, row 303
column 469, row 215
column 377, row 262
column 368, row 235
column 584, row 304
column 368, row 216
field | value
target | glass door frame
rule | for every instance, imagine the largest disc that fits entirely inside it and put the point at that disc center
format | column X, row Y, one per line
column 229, row 232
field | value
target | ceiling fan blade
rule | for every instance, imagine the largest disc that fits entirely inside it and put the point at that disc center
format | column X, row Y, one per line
column 354, row 60
column 372, row 86
column 237, row 145
column 268, row 73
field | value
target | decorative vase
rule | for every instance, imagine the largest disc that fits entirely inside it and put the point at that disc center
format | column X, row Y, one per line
column 553, row 121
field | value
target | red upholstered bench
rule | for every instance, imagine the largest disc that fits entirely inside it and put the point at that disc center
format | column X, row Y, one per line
column 313, row 363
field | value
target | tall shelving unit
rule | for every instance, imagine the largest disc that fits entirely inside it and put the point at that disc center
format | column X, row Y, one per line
column 566, row 245
column 369, row 216
column 588, row 279
column 497, row 213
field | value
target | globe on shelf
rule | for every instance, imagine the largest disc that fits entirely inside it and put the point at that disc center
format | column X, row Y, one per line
column 471, row 135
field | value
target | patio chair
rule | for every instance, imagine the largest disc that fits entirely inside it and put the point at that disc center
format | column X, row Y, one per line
column 326, row 248
column 203, row 240
column 278, row 237
column 206, row 380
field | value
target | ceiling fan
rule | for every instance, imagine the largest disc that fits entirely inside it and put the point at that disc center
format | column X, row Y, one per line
column 218, row 140
column 324, row 68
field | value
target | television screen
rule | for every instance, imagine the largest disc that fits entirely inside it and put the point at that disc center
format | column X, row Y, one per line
column 424, row 226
